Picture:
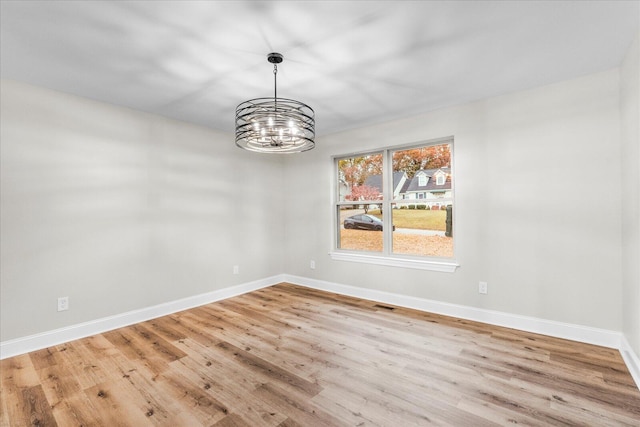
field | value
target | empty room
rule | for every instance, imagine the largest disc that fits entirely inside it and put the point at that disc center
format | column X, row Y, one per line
column 319, row 213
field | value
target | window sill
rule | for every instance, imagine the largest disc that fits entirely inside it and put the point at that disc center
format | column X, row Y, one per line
column 445, row 267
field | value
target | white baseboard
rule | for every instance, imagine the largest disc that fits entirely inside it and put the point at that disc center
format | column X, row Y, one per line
column 631, row 360
column 58, row 336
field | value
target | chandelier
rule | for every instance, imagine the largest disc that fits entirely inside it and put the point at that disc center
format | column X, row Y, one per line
column 275, row 125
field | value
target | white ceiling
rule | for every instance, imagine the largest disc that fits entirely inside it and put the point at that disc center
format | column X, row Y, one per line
column 354, row 62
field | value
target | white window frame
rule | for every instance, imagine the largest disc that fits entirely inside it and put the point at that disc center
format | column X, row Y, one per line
column 441, row 179
column 387, row 257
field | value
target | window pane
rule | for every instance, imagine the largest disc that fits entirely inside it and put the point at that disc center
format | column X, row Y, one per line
column 360, row 178
column 421, row 170
column 423, row 230
column 424, row 184
column 359, row 231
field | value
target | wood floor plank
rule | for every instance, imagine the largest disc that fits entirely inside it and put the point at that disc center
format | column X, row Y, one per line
column 300, row 409
column 228, row 386
column 118, row 405
column 162, row 348
column 78, row 370
column 232, row 420
column 74, row 410
column 36, row 408
column 177, row 325
column 289, row 423
column 270, row 371
column 4, row 415
column 193, row 397
column 16, row 374
column 398, row 397
column 288, row 356
column 135, row 347
column 44, row 358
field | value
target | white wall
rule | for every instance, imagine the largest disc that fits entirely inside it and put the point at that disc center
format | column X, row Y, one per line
column 120, row 210
column 527, row 168
column 630, row 114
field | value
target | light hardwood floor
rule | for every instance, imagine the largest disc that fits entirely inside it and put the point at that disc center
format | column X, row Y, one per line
column 293, row 356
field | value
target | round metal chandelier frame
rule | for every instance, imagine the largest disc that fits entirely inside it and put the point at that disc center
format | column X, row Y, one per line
column 275, row 125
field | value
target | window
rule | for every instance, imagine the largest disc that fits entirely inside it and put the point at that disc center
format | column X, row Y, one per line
column 386, row 210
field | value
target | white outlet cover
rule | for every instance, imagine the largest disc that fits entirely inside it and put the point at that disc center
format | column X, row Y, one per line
column 483, row 287
column 63, row 303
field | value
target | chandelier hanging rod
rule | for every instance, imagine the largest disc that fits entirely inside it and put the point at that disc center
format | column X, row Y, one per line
column 275, row 59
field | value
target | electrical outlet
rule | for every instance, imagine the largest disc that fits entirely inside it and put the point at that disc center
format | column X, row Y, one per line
column 482, row 287
column 63, row 303
column 236, row 269
column 312, row 265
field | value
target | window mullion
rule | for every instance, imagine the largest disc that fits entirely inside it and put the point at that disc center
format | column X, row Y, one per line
column 387, row 192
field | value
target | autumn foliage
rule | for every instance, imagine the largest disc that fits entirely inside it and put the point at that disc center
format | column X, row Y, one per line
column 354, row 171
column 364, row 192
column 429, row 157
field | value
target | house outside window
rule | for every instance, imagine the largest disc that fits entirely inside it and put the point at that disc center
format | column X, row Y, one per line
column 399, row 186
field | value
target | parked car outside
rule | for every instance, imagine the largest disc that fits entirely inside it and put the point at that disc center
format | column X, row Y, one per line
column 364, row 222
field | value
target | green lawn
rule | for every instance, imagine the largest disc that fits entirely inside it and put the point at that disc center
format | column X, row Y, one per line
column 417, row 219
